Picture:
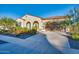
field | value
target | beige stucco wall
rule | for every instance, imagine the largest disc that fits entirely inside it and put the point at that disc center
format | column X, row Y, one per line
column 31, row 19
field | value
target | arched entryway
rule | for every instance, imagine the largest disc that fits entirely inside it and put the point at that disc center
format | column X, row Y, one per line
column 28, row 25
column 36, row 25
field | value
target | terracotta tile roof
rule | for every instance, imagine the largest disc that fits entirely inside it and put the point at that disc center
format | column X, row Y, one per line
column 56, row 17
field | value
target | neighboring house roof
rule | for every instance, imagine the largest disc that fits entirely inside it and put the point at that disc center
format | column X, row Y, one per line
column 56, row 17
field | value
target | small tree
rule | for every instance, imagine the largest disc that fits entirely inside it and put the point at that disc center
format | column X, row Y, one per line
column 52, row 26
column 8, row 24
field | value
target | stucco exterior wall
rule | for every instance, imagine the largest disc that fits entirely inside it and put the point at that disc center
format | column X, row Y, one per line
column 31, row 19
column 28, row 18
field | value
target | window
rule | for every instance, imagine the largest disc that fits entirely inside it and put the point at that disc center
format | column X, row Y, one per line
column 19, row 23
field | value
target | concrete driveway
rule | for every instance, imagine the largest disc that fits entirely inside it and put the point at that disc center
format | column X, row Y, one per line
column 57, row 39
column 60, row 41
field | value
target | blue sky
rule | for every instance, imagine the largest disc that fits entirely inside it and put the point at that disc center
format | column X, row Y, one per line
column 41, row 10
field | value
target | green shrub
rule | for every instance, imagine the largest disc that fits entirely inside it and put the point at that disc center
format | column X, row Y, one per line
column 75, row 36
column 32, row 31
column 20, row 30
column 4, row 32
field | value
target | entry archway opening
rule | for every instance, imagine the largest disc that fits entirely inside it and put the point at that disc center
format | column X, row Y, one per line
column 36, row 25
column 28, row 25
